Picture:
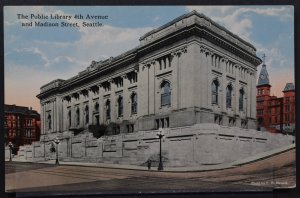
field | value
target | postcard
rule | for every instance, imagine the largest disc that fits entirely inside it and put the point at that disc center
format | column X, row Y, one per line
column 137, row 99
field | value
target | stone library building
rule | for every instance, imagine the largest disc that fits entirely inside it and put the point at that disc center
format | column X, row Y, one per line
column 190, row 77
column 185, row 72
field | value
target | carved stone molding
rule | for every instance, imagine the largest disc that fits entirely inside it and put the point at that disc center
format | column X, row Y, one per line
column 179, row 51
column 224, row 59
column 148, row 63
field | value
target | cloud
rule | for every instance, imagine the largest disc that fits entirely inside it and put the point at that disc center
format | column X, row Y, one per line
column 239, row 21
column 156, row 19
column 42, row 60
column 235, row 18
column 30, row 56
column 108, row 41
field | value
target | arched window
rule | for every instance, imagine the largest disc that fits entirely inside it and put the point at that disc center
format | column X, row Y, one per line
column 96, row 107
column 165, row 94
column 78, row 116
column 86, row 114
column 120, row 106
column 214, row 92
column 228, row 95
column 70, row 118
column 241, row 99
column 49, row 122
column 134, row 103
column 107, row 106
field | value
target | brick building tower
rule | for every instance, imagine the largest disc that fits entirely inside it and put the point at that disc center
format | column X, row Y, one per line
column 274, row 114
column 289, row 108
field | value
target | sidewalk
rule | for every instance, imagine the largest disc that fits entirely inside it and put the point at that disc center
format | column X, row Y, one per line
column 257, row 157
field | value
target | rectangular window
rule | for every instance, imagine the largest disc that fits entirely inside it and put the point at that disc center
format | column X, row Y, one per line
column 157, row 123
column 167, row 123
column 128, row 128
column 287, row 108
column 162, row 123
column 165, row 99
column 132, row 77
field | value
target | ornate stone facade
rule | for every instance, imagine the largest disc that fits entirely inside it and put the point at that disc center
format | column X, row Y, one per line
column 186, row 72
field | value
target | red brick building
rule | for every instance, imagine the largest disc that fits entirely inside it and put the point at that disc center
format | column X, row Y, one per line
column 274, row 114
column 22, row 125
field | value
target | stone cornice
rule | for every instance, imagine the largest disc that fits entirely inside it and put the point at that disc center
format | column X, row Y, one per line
column 202, row 20
column 198, row 25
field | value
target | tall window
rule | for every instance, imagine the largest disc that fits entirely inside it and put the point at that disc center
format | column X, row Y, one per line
column 78, row 116
column 96, row 116
column 107, row 106
column 228, row 96
column 49, row 122
column 120, row 106
column 86, row 114
column 96, row 107
column 165, row 94
column 241, row 100
column 214, row 92
column 134, row 103
column 70, row 118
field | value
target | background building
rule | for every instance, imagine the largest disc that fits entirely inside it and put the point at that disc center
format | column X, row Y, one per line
column 275, row 114
column 22, row 125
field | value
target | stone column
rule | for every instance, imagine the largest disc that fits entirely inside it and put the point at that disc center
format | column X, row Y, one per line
column 155, row 68
column 185, row 59
column 175, row 75
column 59, row 113
column 53, row 119
column 42, row 118
column 101, row 105
column 248, row 95
column 223, row 93
column 208, row 55
column 204, row 72
column 143, row 90
column 200, row 79
column 126, row 98
column 65, row 114
column 91, row 107
column 151, row 86
column 237, row 89
column 73, row 112
column 253, row 96
column 113, row 100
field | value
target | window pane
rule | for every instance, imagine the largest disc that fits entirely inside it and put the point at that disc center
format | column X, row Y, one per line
column 228, row 96
column 166, row 94
column 133, row 103
column 214, row 92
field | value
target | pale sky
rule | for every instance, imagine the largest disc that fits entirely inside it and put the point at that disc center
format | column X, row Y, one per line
column 34, row 56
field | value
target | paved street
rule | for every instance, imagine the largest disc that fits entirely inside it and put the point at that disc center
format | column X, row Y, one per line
column 276, row 171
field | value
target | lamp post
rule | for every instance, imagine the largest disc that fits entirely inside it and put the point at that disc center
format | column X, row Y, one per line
column 160, row 135
column 10, row 145
column 56, row 141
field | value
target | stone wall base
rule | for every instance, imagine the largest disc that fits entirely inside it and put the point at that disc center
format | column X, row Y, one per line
column 200, row 144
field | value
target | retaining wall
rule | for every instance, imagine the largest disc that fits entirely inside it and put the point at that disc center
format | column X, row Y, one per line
column 200, row 144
